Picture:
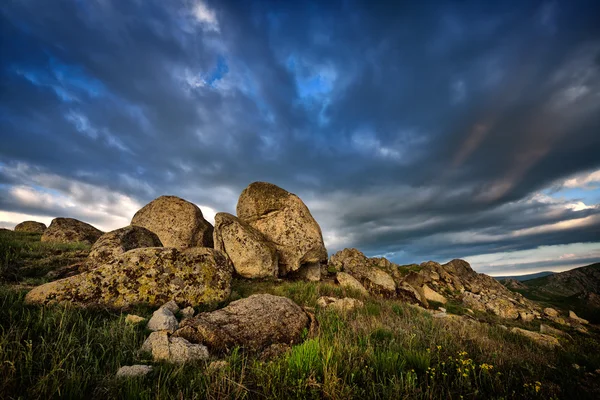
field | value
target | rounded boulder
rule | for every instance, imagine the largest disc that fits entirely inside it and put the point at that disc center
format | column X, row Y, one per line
column 114, row 243
column 70, row 230
column 30, row 226
column 177, row 222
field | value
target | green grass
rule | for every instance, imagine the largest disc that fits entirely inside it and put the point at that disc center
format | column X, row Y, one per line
column 388, row 349
column 24, row 258
column 402, row 352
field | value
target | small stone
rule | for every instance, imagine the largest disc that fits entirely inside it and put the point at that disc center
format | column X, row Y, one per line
column 132, row 319
column 324, row 301
column 182, row 351
column 132, row 371
column 540, row 338
column 163, row 320
column 188, row 312
column 525, row 316
column 346, row 304
column 171, row 306
column 574, row 316
column 217, row 365
column 173, row 349
column 442, row 309
column 551, row 312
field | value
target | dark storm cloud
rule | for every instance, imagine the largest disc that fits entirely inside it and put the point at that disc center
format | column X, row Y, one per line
column 407, row 128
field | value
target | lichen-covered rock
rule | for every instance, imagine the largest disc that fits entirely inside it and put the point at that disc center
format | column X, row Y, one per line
column 114, row 243
column 188, row 312
column 151, row 275
column 286, row 222
column 163, row 319
column 70, row 230
column 252, row 255
column 348, row 281
column 173, row 349
column 177, row 222
column 30, row 226
column 252, row 323
column 355, row 263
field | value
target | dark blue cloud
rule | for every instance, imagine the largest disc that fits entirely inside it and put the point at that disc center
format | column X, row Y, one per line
column 407, row 127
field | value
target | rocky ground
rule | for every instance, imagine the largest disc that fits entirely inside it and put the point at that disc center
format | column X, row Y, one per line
column 253, row 308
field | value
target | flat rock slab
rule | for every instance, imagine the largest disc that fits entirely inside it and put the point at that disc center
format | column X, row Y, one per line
column 253, row 323
column 151, row 275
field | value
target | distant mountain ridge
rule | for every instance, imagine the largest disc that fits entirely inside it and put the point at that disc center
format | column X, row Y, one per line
column 527, row 277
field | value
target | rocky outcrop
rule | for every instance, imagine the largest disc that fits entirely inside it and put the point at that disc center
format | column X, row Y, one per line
column 151, row 275
column 70, row 230
column 177, row 222
column 31, row 227
column 253, row 323
column 114, row 243
column 286, row 222
column 252, row 255
column 431, row 281
column 356, row 264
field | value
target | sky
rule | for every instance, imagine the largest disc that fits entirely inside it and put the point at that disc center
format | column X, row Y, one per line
column 417, row 131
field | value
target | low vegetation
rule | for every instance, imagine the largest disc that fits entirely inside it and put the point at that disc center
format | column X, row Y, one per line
column 388, row 349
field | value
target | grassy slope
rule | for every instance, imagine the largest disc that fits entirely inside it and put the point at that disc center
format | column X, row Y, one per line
column 539, row 290
column 386, row 350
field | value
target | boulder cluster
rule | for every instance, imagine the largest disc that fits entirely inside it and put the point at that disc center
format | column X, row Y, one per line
column 170, row 252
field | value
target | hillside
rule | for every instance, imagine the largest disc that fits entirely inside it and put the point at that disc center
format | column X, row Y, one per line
column 254, row 308
column 578, row 289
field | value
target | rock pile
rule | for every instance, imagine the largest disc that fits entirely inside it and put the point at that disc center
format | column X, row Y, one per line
column 430, row 282
column 273, row 225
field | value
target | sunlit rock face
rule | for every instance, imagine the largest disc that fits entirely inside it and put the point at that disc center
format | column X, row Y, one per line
column 286, row 222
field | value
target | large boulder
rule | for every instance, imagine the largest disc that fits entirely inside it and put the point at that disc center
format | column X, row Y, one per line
column 31, row 227
column 151, row 275
column 177, row 222
column 286, row 222
column 112, row 244
column 367, row 272
column 252, row 255
column 70, row 230
column 253, row 323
